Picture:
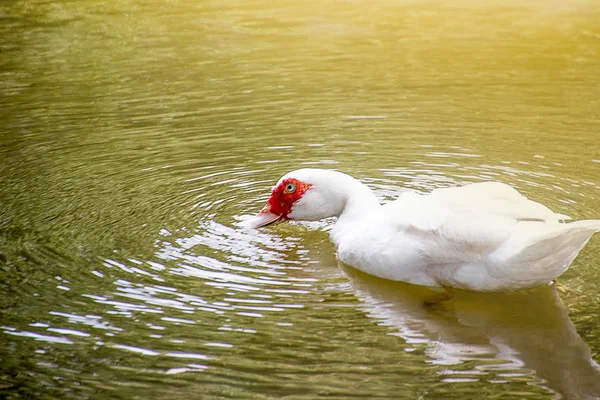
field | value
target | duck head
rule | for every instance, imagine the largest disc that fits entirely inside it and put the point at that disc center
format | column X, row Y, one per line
column 305, row 195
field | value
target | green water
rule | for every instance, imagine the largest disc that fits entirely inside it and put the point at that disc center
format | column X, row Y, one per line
column 135, row 135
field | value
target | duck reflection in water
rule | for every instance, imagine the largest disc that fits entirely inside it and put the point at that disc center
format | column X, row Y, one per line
column 529, row 329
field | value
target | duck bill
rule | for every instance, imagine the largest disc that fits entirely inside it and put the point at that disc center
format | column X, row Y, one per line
column 266, row 217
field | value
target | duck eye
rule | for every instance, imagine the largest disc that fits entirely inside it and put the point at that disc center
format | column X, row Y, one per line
column 290, row 188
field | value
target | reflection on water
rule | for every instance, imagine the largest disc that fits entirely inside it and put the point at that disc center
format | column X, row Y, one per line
column 527, row 334
column 134, row 136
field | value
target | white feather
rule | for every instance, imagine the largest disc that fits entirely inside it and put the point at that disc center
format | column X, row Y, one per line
column 482, row 236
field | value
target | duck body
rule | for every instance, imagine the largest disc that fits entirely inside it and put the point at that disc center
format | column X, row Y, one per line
column 481, row 236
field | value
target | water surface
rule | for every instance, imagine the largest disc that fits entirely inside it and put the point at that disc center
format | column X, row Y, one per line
column 135, row 135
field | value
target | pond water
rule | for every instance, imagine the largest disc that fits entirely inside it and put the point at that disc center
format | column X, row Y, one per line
column 135, row 135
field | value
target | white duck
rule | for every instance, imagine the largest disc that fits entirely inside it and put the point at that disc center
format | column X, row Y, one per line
column 482, row 236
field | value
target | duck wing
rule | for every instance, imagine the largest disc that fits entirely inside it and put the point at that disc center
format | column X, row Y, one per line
column 487, row 236
column 496, row 198
column 480, row 215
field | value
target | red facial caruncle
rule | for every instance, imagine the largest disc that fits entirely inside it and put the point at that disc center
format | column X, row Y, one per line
column 279, row 206
column 285, row 195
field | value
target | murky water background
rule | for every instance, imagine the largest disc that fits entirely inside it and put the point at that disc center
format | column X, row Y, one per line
column 135, row 135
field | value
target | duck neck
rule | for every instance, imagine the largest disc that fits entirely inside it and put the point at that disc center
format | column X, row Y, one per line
column 360, row 201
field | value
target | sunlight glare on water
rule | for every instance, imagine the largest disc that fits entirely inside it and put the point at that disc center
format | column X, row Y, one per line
column 136, row 136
